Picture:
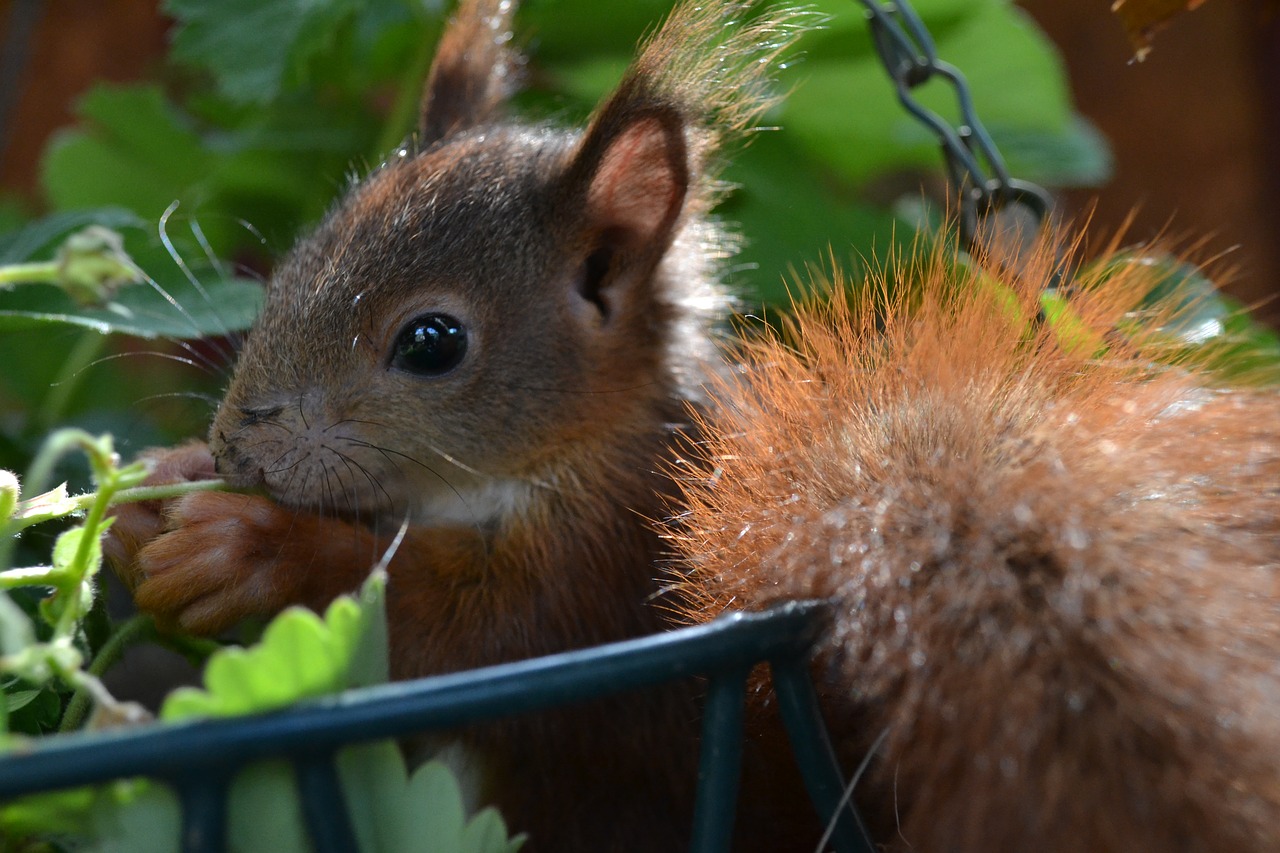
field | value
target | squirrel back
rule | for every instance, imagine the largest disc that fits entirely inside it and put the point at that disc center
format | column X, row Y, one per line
column 1052, row 561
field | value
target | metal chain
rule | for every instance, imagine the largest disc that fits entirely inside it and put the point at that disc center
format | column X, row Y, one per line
column 909, row 56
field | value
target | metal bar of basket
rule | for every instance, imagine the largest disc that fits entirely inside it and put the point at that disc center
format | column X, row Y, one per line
column 720, row 765
column 204, row 812
column 798, row 706
column 324, row 807
column 393, row 710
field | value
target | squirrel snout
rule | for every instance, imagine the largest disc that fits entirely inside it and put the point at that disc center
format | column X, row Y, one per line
column 230, row 464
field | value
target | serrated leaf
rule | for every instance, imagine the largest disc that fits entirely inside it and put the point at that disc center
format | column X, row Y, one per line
column 434, row 786
column 249, row 45
column 419, row 813
column 487, row 833
column 69, row 543
column 299, row 656
column 138, row 152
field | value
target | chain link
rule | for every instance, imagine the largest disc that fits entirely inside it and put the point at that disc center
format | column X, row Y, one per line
column 976, row 169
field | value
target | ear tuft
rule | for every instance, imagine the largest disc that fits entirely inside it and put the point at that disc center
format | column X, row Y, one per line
column 639, row 183
column 474, row 72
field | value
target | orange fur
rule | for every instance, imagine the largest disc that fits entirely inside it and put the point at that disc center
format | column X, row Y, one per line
column 1053, row 568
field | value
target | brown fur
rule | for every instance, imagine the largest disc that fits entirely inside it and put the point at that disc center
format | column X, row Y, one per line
column 584, row 270
column 1053, row 566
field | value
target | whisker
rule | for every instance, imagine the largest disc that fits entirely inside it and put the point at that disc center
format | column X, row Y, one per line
column 457, row 463
column 163, row 231
column 218, row 265
column 166, row 356
column 373, row 481
column 388, row 452
column 279, row 459
column 346, row 492
column 249, row 226
column 532, row 389
column 213, row 259
column 188, row 395
column 328, row 489
column 848, row 790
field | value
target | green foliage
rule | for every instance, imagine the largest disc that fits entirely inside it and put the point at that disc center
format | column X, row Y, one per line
column 57, row 660
column 1199, row 324
column 299, row 656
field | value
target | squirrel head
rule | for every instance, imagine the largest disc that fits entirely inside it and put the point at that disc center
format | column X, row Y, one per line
column 499, row 298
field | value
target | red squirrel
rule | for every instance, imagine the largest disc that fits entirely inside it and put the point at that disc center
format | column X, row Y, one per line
column 495, row 338
column 1053, row 570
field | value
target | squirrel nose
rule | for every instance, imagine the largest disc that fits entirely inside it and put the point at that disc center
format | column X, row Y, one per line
column 230, row 464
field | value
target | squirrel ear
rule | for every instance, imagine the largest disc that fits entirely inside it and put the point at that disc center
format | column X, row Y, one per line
column 634, row 173
column 474, row 71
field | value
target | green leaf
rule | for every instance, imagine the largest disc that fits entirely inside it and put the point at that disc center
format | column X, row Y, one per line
column 265, row 810
column 249, row 46
column 299, row 656
column 419, row 813
column 134, row 817
column 20, row 699
column 10, row 491
column 67, row 548
column 16, row 630
column 1198, row 323
column 54, row 503
column 1076, row 157
column 60, row 812
column 793, row 216
column 488, row 832
column 178, row 309
column 139, row 153
column 991, row 42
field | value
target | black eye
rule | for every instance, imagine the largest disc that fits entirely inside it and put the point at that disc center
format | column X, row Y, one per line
column 430, row 345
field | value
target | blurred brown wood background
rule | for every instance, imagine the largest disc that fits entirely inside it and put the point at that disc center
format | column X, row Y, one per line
column 1195, row 128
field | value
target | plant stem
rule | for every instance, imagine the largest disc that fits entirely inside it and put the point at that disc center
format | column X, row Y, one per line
column 137, row 629
column 154, row 493
column 43, row 272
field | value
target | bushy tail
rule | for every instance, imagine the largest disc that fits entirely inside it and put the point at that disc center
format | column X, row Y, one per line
column 1054, row 562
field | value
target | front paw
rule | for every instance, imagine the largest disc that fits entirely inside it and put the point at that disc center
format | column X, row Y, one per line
column 136, row 524
column 225, row 557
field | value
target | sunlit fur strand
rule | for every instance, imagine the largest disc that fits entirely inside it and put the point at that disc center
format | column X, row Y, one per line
column 1054, row 569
